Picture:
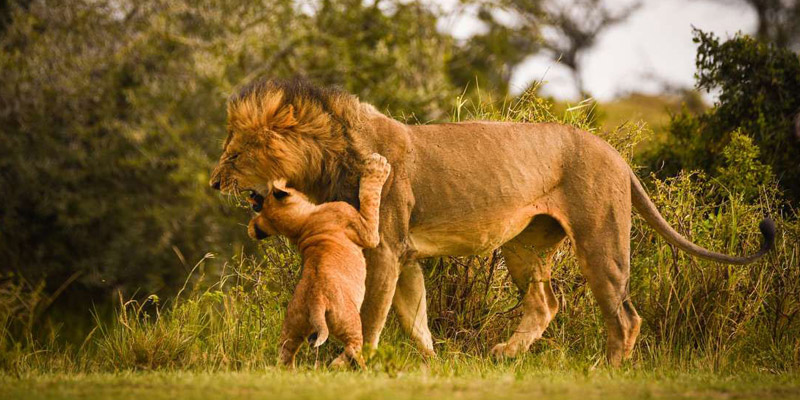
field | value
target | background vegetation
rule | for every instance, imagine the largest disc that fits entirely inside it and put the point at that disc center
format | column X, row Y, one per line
column 111, row 116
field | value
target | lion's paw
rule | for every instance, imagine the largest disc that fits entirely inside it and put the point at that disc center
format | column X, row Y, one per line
column 427, row 353
column 498, row 351
column 505, row 350
column 376, row 167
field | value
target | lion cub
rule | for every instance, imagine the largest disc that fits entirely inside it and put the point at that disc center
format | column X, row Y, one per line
column 330, row 237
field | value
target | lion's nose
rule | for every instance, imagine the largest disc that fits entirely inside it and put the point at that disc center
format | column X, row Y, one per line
column 214, row 184
column 260, row 235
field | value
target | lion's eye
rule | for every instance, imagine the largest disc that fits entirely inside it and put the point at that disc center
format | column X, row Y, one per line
column 233, row 156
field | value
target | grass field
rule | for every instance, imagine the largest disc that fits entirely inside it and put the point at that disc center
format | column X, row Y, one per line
column 502, row 382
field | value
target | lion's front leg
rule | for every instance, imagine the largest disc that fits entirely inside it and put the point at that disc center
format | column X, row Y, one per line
column 382, row 274
column 411, row 306
column 387, row 286
column 385, row 283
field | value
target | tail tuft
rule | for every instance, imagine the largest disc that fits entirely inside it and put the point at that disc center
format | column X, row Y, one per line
column 767, row 228
column 317, row 320
column 317, row 339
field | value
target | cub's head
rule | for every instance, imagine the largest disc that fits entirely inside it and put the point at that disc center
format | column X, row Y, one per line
column 288, row 129
column 282, row 212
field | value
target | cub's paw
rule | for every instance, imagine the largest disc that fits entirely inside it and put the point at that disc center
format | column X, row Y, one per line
column 347, row 361
column 340, row 363
column 376, row 167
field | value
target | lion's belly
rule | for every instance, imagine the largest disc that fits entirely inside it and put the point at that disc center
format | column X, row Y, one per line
column 468, row 236
column 478, row 185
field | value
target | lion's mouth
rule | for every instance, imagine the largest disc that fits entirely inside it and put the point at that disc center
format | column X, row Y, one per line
column 259, row 190
column 246, row 198
column 250, row 197
column 256, row 201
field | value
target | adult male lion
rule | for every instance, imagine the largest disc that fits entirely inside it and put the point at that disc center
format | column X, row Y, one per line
column 456, row 189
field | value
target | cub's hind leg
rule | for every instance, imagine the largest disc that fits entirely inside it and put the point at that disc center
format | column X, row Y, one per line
column 346, row 324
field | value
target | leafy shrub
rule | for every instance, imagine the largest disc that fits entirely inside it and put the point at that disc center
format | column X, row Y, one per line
column 740, row 171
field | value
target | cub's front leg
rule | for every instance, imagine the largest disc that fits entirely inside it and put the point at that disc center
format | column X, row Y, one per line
column 376, row 171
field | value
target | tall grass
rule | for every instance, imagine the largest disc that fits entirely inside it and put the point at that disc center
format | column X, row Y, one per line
column 697, row 314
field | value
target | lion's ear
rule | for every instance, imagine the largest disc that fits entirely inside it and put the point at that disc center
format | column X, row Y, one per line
column 283, row 119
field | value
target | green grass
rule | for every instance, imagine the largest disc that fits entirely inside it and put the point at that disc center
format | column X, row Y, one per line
column 502, row 382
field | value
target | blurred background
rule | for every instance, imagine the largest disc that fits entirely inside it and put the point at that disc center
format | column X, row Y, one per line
column 112, row 112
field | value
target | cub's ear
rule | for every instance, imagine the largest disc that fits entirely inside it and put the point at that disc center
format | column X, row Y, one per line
column 280, row 184
column 279, row 191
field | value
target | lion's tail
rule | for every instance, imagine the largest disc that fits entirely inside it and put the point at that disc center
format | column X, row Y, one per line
column 316, row 317
column 650, row 214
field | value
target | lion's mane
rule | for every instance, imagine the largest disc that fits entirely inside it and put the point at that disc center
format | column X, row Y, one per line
column 317, row 123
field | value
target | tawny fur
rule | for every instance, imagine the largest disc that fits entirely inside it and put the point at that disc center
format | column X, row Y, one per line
column 330, row 238
column 456, row 189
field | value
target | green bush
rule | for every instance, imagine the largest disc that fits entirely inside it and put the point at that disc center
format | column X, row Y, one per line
column 740, row 171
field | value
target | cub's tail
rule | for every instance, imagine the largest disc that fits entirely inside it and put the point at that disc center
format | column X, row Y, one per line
column 650, row 214
column 317, row 319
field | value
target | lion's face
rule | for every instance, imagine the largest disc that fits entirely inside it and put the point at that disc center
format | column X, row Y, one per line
column 252, row 159
column 286, row 130
column 245, row 164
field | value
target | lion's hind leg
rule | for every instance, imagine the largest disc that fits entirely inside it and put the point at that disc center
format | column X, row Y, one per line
column 603, row 251
column 528, row 257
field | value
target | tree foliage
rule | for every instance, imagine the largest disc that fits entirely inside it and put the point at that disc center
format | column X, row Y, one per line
column 574, row 28
column 567, row 30
column 778, row 21
column 487, row 61
column 112, row 114
column 758, row 85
